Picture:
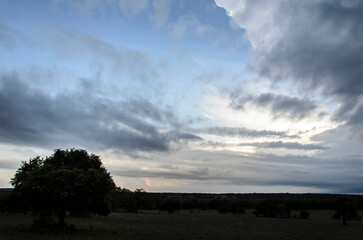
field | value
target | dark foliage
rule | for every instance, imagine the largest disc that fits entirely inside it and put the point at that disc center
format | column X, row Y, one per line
column 126, row 200
column 68, row 181
column 346, row 210
column 304, row 214
column 272, row 208
column 171, row 205
column 233, row 206
column 4, row 196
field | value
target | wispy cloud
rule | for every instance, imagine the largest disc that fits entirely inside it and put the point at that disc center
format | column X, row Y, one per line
column 243, row 132
column 72, row 42
column 263, row 170
column 276, row 144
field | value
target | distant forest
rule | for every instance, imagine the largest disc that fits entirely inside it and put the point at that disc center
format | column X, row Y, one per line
column 125, row 200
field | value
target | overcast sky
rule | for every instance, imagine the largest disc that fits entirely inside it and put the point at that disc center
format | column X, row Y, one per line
column 188, row 96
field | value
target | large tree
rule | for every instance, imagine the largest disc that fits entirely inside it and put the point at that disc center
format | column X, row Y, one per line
column 68, row 181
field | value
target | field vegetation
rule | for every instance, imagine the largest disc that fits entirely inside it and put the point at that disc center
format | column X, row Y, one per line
column 197, row 224
column 141, row 215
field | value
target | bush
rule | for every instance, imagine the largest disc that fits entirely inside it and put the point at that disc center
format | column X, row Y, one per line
column 271, row 208
column 170, row 205
column 304, row 214
column 346, row 210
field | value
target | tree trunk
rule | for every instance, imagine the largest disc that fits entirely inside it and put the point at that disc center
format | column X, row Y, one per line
column 61, row 215
column 344, row 217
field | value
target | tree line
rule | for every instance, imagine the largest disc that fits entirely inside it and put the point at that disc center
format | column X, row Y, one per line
column 73, row 182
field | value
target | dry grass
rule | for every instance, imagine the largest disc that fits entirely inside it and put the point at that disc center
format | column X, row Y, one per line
column 188, row 225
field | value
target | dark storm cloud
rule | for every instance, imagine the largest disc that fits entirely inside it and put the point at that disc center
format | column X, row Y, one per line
column 356, row 119
column 280, row 105
column 278, row 144
column 31, row 117
column 243, row 132
column 317, row 44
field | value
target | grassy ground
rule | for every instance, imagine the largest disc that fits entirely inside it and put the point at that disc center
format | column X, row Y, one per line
column 188, row 225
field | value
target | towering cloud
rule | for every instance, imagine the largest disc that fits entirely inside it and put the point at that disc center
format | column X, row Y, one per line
column 317, row 44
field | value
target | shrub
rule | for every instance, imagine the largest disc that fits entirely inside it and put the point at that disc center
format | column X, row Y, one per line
column 304, row 214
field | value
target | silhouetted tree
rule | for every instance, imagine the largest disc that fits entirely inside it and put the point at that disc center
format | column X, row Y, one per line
column 271, row 208
column 304, row 214
column 69, row 180
column 345, row 210
column 123, row 200
column 170, row 205
column 232, row 206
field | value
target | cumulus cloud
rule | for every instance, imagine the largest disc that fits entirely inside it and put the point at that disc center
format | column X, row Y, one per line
column 280, row 105
column 317, row 44
column 31, row 117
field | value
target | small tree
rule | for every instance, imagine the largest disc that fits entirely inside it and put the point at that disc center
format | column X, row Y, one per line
column 345, row 210
column 69, row 180
column 171, row 205
column 271, row 208
column 304, row 214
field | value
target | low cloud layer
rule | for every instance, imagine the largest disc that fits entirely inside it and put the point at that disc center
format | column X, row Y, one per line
column 276, row 144
column 243, row 132
column 263, row 170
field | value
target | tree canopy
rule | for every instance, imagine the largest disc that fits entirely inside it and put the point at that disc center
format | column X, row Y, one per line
column 68, row 180
column 346, row 210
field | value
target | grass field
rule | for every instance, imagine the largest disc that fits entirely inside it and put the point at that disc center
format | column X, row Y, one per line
column 188, row 225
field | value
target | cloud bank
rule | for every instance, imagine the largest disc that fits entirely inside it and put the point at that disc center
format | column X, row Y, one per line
column 30, row 116
column 316, row 44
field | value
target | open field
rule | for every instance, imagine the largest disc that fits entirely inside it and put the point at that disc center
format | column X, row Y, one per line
column 188, row 225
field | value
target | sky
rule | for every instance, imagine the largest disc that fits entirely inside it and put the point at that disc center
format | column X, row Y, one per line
column 188, row 96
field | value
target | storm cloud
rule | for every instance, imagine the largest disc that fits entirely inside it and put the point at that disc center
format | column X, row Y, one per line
column 316, row 44
column 279, row 105
column 179, row 96
column 31, row 117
